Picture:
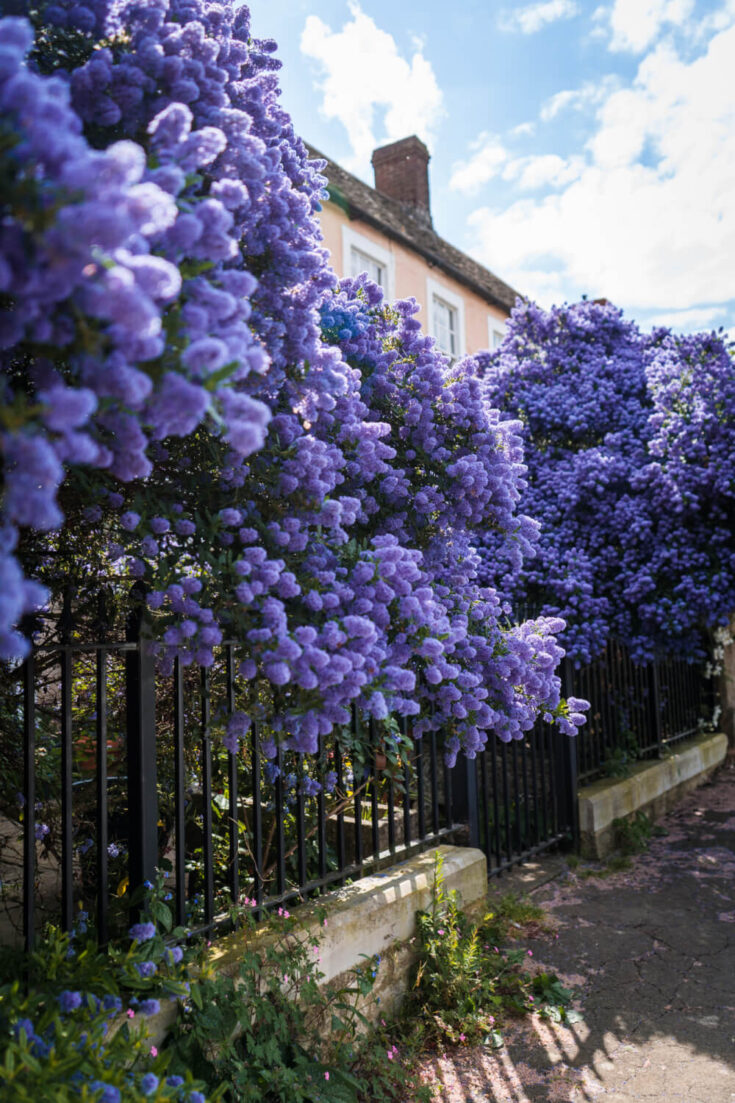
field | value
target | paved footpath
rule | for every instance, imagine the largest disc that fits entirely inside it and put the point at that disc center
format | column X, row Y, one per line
column 650, row 954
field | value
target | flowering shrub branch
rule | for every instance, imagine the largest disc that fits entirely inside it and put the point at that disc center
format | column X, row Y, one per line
column 630, row 440
column 191, row 402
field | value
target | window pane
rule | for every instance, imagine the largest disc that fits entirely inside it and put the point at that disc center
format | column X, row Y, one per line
column 444, row 319
column 361, row 262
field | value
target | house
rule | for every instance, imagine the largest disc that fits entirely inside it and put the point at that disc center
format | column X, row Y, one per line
column 387, row 232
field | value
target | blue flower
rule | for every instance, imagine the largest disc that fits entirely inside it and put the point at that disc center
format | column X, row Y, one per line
column 142, row 932
column 70, row 1001
column 149, row 1083
column 110, row 1094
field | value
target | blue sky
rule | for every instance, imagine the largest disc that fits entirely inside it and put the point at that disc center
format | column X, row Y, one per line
column 577, row 148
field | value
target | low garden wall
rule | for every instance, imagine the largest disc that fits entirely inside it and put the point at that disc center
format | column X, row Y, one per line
column 651, row 787
column 373, row 916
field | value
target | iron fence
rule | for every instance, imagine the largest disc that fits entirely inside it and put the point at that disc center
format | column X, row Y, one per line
column 522, row 797
column 637, row 710
column 120, row 772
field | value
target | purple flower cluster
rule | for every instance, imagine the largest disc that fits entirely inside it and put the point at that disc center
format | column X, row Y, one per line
column 128, row 270
column 630, row 439
column 279, row 460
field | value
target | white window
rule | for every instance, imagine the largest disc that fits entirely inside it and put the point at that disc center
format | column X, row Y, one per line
column 361, row 262
column 444, row 324
column 362, row 254
column 495, row 332
column 445, row 319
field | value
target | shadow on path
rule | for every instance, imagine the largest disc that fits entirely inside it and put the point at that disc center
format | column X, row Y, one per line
column 650, row 954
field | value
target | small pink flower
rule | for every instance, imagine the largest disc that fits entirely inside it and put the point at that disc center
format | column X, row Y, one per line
column 390, row 1055
column 130, row 1013
column 530, row 999
column 325, row 923
column 530, row 953
column 440, row 931
column 154, row 1051
column 497, row 951
column 382, row 1022
column 326, row 1075
column 462, row 1038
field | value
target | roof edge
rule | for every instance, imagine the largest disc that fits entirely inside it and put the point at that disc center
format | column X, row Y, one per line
column 355, row 211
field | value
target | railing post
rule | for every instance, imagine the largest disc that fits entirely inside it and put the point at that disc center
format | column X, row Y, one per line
column 464, row 797
column 655, row 711
column 29, row 792
column 567, row 770
column 140, row 693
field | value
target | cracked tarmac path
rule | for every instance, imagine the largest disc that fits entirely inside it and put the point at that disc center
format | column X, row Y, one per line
column 650, row 954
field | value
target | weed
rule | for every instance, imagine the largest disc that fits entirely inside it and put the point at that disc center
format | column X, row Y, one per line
column 633, row 835
column 466, row 983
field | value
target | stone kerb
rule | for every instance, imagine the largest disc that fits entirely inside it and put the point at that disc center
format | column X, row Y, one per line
column 652, row 787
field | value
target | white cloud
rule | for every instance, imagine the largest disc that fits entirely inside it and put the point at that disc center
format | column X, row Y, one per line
column 589, row 95
column 648, row 220
column 544, row 171
column 709, row 23
column 363, row 74
column 533, row 17
column 487, row 160
column 699, row 317
column 635, row 24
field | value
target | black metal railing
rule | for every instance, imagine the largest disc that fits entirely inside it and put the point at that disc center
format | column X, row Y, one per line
column 637, row 710
column 522, row 797
column 120, row 770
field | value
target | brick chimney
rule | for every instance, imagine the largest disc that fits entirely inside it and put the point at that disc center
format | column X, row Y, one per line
column 402, row 173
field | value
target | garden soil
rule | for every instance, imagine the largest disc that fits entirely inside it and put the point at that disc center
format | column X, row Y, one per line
column 650, row 955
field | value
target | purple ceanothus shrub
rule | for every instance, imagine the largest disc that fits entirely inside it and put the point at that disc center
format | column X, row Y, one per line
column 630, row 446
column 191, row 401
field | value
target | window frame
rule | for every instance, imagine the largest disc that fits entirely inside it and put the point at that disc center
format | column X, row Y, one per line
column 436, row 290
column 351, row 239
column 495, row 326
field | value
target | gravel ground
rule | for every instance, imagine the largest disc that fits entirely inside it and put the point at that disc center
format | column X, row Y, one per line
column 650, row 955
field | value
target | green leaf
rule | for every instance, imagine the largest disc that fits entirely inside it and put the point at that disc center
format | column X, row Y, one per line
column 162, row 914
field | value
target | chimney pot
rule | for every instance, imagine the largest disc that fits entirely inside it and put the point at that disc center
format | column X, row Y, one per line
column 402, row 173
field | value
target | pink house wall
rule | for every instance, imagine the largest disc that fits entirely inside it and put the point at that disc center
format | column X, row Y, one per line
column 411, row 272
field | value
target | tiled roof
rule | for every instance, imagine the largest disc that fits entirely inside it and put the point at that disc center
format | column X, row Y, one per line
column 361, row 202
